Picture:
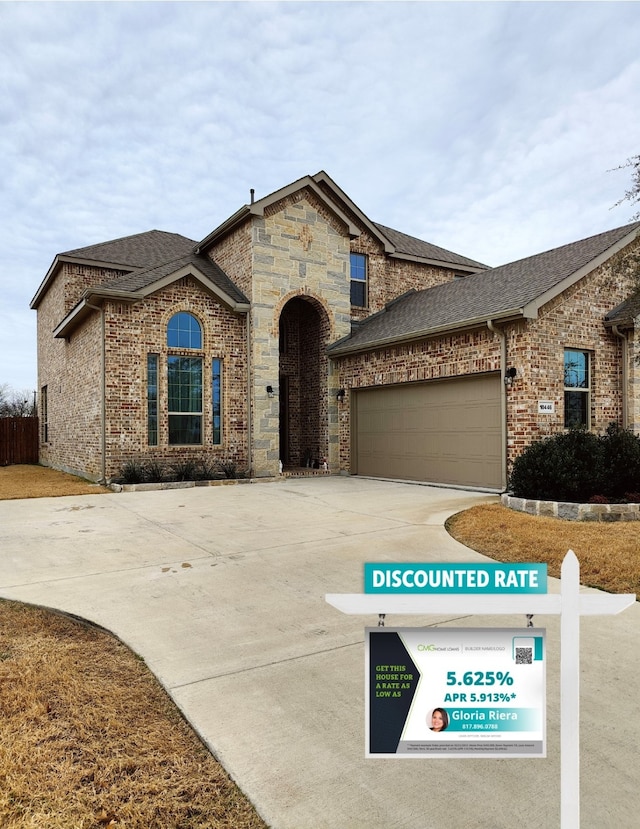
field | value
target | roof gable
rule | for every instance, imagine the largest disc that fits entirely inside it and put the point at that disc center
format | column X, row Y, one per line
column 393, row 242
column 257, row 208
column 148, row 280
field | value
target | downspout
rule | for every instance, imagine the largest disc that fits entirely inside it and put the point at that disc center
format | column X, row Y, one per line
column 249, row 398
column 103, row 390
column 503, row 397
column 625, row 375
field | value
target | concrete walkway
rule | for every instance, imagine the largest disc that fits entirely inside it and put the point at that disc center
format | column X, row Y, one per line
column 221, row 590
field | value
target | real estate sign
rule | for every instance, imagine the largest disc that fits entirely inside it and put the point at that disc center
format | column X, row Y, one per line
column 463, row 692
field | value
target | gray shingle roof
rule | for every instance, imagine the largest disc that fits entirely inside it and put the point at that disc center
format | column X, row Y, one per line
column 141, row 250
column 500, row 291
column 626, row 313
column 151, row 256
column 143, row 278
column 412, row 246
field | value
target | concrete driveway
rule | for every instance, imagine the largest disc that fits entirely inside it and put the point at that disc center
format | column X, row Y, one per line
column 221, row 590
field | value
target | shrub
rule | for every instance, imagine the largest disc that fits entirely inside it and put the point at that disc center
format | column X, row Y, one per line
column 185, row 470
column 132, row 472
column 228, row 468
column 621, row 463
column 188, row 469
column 207, row 471
column 154, row 472
column 579, row 466
column 565, row 467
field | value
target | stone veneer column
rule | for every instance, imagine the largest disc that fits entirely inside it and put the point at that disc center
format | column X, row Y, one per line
column 298, row 250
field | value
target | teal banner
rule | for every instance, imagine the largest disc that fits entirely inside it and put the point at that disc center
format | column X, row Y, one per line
column 455, row 578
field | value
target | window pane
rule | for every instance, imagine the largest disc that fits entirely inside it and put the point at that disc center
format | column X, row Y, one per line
column 575, row 409
column 185, row 429
column 184, row 386
column 358, row 263
column 216, row 400
column 183, row 331
column 576, row 370
column 358, row 294
column 152, row 399
column 44, row 414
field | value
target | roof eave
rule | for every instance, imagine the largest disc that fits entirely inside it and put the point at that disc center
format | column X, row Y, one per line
column 559, row 288
column 440, row 263
column 237, row 306
column 428, row 333
column 88, row 302
column 388, row 246
column 86, row 306
column 74, row 260
column 226, row 227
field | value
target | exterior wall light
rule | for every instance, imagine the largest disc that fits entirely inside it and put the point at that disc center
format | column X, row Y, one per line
column 270, row 391
column 510, row 376
column 340, row 396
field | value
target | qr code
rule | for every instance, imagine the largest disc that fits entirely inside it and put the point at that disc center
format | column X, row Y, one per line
column 524, row 656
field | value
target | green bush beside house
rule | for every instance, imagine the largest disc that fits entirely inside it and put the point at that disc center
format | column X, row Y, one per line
column 581, row 467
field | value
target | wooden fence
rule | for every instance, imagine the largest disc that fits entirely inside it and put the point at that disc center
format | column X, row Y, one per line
column 18, row 440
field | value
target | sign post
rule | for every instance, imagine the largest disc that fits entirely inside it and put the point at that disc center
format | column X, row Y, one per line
column 467, row 598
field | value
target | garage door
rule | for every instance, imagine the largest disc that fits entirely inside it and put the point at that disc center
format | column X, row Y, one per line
column 442, row 432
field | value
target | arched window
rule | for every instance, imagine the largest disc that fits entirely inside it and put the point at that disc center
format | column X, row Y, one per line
column 184, row 381
column 183, row 331
column 186, row 405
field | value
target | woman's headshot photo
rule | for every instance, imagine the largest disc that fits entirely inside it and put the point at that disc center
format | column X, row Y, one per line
column 439, row 719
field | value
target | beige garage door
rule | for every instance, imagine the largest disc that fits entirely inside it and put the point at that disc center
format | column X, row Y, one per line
column 442, row 432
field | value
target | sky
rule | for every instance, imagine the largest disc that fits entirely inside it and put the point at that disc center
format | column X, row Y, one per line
column 492, row 129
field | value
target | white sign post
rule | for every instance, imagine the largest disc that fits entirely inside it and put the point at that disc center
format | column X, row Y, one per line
column 569, row 604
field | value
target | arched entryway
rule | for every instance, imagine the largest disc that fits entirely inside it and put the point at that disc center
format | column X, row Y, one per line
column 304, row 334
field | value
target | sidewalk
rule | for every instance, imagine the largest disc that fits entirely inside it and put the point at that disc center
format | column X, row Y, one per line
column 221, row 591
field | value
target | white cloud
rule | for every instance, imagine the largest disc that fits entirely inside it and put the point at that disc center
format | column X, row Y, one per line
column 487, row 128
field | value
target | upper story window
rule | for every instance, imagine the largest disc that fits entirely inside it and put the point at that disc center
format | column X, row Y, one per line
column 183, row 331
column 577, row 388
column 359, row 280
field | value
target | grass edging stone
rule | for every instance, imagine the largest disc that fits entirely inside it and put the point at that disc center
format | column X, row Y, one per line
column 573, row 512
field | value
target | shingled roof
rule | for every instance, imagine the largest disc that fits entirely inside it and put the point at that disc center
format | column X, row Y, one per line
column 510, row 291
column 139, row 280
column 142, row 250
column 625, row 314
column 412, row 246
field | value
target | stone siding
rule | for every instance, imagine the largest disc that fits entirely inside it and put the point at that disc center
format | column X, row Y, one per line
column 300, row 251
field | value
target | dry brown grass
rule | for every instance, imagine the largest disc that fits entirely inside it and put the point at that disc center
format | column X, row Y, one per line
column 32, row 481
column 89, row 739
column 609, row 553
